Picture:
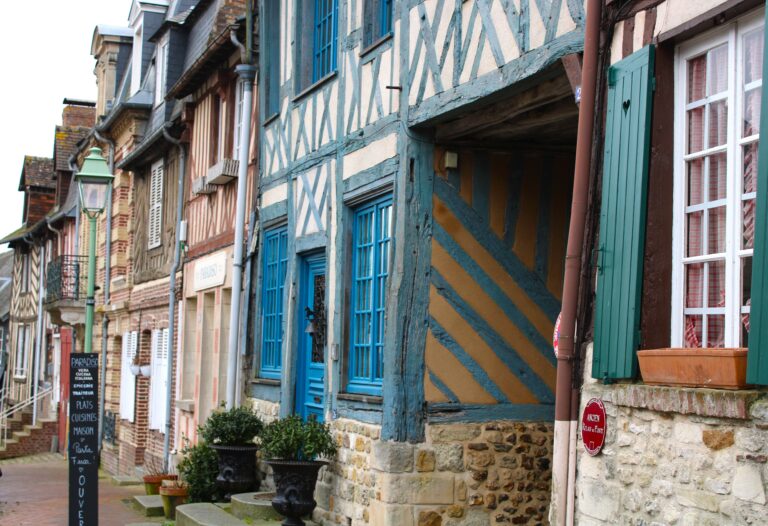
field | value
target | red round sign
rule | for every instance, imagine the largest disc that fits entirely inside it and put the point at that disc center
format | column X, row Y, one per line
column 593, row 426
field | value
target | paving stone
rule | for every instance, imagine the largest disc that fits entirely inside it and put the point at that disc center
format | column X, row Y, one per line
column 149, row 505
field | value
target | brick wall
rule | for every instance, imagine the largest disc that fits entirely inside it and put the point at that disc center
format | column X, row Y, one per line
column 78, row 116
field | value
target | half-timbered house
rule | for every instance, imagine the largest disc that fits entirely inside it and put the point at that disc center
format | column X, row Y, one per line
column 415, row 183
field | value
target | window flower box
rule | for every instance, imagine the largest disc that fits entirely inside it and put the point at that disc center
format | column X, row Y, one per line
column 712, row 368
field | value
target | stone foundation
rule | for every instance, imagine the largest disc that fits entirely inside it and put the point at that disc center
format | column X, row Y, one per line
column 463, row 474
column 676, row 456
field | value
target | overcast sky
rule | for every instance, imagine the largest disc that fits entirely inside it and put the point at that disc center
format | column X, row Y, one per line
column 45, row 55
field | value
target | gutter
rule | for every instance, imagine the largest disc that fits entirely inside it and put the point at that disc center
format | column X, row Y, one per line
column 107, row 282
column 567, row 391
column 172, row 293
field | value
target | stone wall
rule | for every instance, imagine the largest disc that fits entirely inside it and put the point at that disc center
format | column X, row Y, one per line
column 676, row 456
column 463, row 474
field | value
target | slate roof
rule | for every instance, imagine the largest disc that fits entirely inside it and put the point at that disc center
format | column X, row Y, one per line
column 37, row 171
column 6, row 276
column 65, row 144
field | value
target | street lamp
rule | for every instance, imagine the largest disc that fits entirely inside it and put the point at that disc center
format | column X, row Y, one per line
column 94, row 183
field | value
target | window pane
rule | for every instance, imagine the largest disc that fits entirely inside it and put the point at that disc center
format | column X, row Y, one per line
column 749, row 165
column 751, row 112
column 693, row 326
column 718, row 124
column 697, row 75
column 716, row 284
column 696, row 130
column 716, row 242
column 695, row 182
column 746, row 280
column 748, row 224
column 718, row 70
column 694, row 233
column 717, row 176
column 716, row 331
column 753, row 56
column 694, row 285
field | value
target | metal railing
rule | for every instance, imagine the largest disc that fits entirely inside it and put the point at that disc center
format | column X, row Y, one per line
column 8, row 413
column 66, row 279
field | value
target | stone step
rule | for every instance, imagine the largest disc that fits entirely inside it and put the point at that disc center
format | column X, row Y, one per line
column 206, row 514
column 125, row 480
column 149, row 505
column 254, row 505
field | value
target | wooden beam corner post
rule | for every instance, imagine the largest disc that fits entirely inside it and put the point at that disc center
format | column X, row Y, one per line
column 408, row 303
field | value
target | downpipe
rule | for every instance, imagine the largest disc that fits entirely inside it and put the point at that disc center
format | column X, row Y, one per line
column 567, row 392
column 39, row 336
column 172, row 294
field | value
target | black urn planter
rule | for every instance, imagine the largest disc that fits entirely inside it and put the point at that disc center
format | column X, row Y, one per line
column 295, row 483
column 237, row 470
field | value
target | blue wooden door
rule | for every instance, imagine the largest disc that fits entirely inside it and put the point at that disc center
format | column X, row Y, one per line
column 310, row 372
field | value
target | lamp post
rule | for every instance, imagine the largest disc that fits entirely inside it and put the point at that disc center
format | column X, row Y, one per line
column 94, row 183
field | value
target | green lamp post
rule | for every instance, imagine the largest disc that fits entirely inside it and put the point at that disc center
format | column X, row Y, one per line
column 94, row 183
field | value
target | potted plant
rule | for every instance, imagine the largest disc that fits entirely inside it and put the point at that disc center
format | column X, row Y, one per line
column 174, row 493
column 154, row 475
column 199, row 468
column 292, row 447
column 231, row 434
column 714, row 368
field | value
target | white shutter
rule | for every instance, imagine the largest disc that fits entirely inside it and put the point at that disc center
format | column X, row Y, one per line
column 154, row 224
column 127, row 379
column 158, row 382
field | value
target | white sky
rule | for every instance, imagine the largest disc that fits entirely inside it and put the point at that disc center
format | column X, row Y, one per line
column 45, row 56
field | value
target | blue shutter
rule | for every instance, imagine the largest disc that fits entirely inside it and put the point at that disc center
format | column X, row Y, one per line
column 757, row 357
column 371, row 246
column 325, row 29
column 622, row 216
column 273, row 284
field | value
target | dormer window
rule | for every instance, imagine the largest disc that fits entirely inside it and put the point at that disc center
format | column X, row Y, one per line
column 136, row 60
column 161, row 66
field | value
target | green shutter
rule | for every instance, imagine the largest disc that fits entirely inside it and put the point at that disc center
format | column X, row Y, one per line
column 622, row 216
column 757, row 357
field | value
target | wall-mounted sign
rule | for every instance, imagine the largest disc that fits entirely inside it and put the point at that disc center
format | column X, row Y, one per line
column 593, row 426
column 210, row 271
column 83, row 440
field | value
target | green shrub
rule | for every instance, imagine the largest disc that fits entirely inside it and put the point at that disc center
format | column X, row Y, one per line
column 199, row 469
column 292, row 438
column 234, row 427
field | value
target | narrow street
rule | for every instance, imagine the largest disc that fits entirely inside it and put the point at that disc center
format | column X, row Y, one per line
column 33, row 491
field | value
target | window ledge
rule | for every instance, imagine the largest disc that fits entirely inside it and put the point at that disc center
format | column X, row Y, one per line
column 19, row 378
column 314, row 87
column 376, row 43
column 365, row 399
column 266, row 381
column 272, row 118
column 682, row 400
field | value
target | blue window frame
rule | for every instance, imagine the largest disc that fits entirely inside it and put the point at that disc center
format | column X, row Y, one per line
column 325, row 29
column 275, row 262
column 385, row 17
column 377, row 20
column 371, row 250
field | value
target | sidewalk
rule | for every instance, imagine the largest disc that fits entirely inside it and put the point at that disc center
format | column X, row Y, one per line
column 33, row 491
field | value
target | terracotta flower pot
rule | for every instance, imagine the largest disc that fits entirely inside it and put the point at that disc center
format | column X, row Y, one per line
column 152, row 482
column 173, row 496
column 714, row 368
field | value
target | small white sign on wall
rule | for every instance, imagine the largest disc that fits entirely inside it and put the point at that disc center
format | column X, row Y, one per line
column 210, row 271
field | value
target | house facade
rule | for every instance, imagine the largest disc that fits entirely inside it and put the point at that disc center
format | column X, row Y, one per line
column 415, row 176
column 679, row 266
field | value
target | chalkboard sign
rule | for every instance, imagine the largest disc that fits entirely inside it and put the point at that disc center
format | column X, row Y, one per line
column 83, row 440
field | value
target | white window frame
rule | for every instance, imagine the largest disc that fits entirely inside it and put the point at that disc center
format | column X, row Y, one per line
column 155, row 216
column 161, row 66
column 136, row 59
column 238, row 124
column 20, row 361
column 25, row 272
column 731, row 34
column 158, row 380
column 127, row 379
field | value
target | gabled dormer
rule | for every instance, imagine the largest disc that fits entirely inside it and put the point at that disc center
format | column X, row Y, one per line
column 111, row 47
column 144, row 19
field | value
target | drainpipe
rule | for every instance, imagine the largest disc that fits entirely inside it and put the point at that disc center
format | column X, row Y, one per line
column 247, row 73
column 567, row 393
column 107, row 280
column 172, row 293
column 39, row 335
column 74, row 169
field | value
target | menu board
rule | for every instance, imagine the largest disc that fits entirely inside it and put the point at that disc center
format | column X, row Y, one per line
column 83, row 440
